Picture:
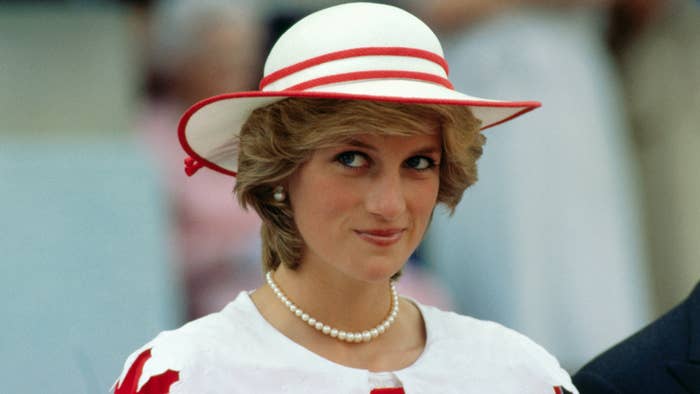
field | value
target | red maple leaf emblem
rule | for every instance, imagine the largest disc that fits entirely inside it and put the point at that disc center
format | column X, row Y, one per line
column 388, row 390
column 157, row 384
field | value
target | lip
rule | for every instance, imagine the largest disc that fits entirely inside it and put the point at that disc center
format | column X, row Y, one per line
column 381, row 237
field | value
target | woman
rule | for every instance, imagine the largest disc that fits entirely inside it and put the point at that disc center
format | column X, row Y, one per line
column 353, row 139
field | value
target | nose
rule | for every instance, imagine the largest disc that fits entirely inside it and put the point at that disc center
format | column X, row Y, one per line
column 385, row 197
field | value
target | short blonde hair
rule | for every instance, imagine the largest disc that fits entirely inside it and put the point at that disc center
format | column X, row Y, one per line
column 278, row 138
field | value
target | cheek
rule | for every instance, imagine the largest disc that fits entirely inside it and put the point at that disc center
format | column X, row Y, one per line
column 424, row 200
column 321, row 204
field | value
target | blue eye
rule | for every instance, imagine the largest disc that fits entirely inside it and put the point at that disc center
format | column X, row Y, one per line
column 420, row 163
column 352, row 159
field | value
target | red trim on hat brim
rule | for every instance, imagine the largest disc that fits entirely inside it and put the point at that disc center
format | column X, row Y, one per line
column 530, row 105
column 515, row 115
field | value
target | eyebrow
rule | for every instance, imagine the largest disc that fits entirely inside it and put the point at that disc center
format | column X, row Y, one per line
column 430, row 150
column 420, row 151
column 360, row 144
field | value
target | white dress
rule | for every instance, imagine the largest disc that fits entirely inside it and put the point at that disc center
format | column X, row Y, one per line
column 238, row 351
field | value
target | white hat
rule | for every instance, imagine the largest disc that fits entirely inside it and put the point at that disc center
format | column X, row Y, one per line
column 362, row 51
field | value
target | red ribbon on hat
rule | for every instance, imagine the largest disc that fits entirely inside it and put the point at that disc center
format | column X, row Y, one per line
column 365, row 51
column 192, row 166
column 378, row 74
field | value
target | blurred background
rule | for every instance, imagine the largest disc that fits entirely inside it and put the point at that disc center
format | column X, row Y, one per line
column 584, row 225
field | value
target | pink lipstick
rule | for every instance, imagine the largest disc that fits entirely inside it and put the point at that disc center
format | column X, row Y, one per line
column 381, row 237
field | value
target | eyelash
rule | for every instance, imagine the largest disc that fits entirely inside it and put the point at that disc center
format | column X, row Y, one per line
column 431, row 163
column 339, row 159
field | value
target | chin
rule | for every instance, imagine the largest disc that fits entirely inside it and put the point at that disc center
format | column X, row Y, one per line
column 381, row 270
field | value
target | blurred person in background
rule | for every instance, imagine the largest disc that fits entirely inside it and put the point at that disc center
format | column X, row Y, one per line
column 553, row 231
column 200, row 48
column 658, row 47
column 86, row 267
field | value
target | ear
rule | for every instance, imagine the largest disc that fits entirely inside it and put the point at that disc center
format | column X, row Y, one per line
column 290, row 185
column 279, row 194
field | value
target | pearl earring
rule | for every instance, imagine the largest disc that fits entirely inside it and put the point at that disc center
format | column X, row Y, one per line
column 278, row 194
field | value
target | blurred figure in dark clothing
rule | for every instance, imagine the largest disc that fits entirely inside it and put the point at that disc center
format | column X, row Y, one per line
column 663, row 358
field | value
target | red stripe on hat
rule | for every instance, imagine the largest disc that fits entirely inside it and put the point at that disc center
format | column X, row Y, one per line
column 361, row 75
column 355, row 52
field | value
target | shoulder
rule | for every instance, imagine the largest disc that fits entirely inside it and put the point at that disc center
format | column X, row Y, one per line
column 638, row 363
column 494, row 346
column 486, row 336
column 174, row 355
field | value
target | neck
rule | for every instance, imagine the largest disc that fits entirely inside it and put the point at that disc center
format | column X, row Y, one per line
column 342, row 302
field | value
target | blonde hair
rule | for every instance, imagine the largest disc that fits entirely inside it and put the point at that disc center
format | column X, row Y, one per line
column 278, row 138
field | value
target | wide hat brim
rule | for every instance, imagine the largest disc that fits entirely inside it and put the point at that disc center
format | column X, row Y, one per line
column 215, row 122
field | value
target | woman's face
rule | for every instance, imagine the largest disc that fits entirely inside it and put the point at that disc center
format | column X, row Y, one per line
column 362, row 207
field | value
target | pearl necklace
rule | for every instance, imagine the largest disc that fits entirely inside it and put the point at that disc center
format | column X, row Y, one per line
column 350, row 337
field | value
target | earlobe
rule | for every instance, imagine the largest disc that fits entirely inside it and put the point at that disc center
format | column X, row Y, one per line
column 279, row 194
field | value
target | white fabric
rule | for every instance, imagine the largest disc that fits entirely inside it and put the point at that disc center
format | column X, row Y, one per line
column 349, row 26
column 238, row 351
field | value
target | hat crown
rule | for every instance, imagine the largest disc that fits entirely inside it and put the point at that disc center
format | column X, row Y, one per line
column 347, row 27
